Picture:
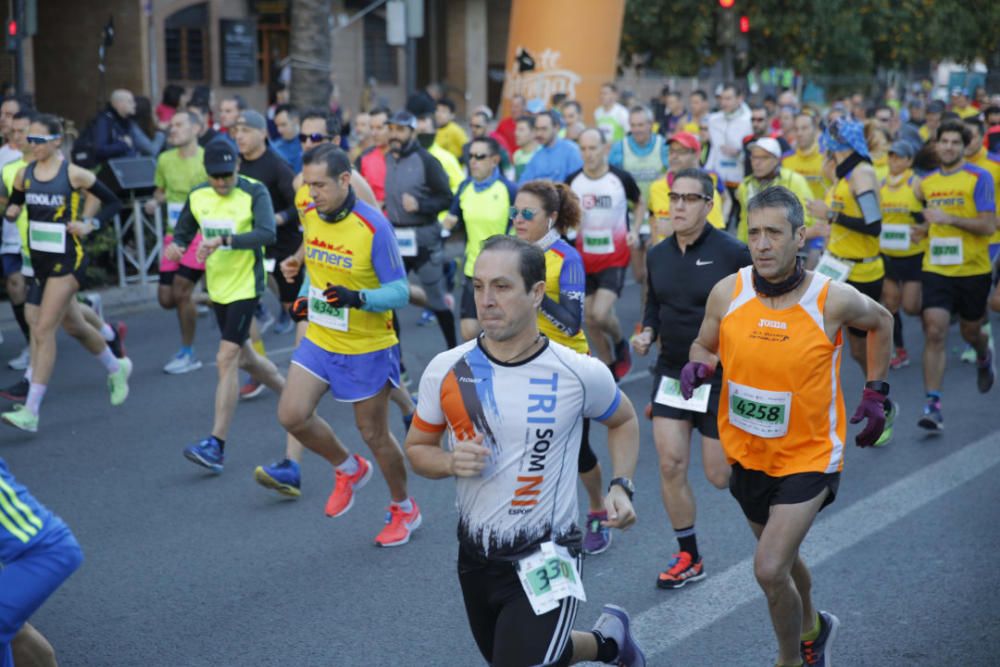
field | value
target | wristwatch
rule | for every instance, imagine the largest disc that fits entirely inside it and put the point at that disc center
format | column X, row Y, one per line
column 94, row 222
column 879, row 386
column 625, row 483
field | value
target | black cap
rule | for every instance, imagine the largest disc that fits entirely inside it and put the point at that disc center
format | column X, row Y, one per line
column 405, row 119
column 220, row 157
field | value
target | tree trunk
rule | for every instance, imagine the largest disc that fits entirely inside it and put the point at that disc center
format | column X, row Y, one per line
column 310, row 53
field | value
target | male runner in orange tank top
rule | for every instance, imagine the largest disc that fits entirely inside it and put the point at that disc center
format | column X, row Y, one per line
column 782, row 426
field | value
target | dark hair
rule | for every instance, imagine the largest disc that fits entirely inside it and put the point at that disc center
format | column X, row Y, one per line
column 447, row 102
column 976, row 122
column 172, row 95
column 700, row 175
column 290, row 109
column 665, row 90
column 558, row 99
column 991, row 110
column 380, row 111
column 530, row 120
column 958, row 127
column 733, row 86
column 201, row 105
column 493, row 144
column 531, row 259
column 557, row 198
column 50, row 121
column 572, row 103
column 332, row 124
column 337, row 162
column 552, row 115
column 192, row 116
column 25, row 113
column 610, row 85
column 200, row 96
column 700, row 93
column 241, row 103
column 778, row 196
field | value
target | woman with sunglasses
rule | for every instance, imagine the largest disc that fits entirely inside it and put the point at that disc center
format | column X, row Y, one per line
column 542, row 214
column 50, row 189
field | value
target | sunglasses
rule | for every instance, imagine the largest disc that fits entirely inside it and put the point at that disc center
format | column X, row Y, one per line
column 481, row 156
column 42, row 138
column 526, row 213
column 314, row 138
column 688, row 198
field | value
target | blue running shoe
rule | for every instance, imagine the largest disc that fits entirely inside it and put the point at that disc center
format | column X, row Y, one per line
column 613, row 623
column 427, row 318
column 206, row 453
column 816, row 653
column 932, row 420
column 282, row 476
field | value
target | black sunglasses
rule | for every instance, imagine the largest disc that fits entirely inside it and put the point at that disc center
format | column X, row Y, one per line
column 314, row 138
column 479, row 156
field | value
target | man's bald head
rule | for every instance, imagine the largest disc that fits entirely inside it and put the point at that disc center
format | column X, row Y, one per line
column 123, row 102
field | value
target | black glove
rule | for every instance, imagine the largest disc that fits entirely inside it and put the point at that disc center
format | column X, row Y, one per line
column 299, row 311
column 342, row 297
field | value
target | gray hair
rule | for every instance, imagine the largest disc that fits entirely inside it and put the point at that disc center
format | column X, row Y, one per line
column 778, row 196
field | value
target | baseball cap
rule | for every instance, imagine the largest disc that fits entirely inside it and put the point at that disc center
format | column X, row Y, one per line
column 687, row 140
column 220, row 157
column 957, row 91
column 535, row 105
column 404, row 119
column 768, row 144
column 253, row 119
column 902, row 149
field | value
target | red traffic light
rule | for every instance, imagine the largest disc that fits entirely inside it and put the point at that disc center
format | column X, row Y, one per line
column 726, row 4
column 744, row 24
column 12, row 28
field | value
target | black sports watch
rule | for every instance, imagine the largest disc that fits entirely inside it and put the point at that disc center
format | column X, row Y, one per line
column 625, row 483
column 879, row 386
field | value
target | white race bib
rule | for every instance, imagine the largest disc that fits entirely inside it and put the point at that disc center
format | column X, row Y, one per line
column 758, row 411
column 213, row 228
column 323, row 314
column 599, row 242
column 269, row 265
column 47, row 237
column 894, row 237
column 946, row 250
column 669, row 393
column 833, row 268
column 27, row 270
column 173, row 215
column 549, row 575
column 644, row 229
column 406, row 239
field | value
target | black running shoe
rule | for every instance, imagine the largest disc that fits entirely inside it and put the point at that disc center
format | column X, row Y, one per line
column 17, row 392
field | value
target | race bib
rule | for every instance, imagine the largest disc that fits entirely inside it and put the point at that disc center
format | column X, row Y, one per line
column 406, row 239
column 323, row 314
column 269, row 265
column 47, row 237
column 946, row 250
column 758, row 411
column 833, row 268
column 894, row 237
column 27, row 270
column 213, row 228
column 644, row 229
column 598, row 242
column 548, row 576
column 173, row 215
column 669, row 393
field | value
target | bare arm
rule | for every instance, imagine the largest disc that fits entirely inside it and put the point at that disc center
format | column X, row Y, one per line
column 846, row 306
column 623, row 445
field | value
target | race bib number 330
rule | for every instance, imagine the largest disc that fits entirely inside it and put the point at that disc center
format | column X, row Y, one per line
column 549, row 575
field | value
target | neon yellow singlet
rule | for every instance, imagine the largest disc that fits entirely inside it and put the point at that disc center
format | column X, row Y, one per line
column 851, row 245
column 899, row 203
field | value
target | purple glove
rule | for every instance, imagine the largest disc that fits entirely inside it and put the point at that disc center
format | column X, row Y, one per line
column 693, row 375
column 872, row 407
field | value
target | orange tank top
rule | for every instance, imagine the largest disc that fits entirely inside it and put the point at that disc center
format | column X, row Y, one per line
column 781, row 410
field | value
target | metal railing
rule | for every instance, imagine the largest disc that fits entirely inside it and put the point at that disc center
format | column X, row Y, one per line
column 137, row 257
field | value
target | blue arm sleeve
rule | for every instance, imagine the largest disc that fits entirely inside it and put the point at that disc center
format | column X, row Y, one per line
column 389, row 296
column 567, row 314
column 304, row 290
column 616, row 155
column 984, row 194
column 394, row 291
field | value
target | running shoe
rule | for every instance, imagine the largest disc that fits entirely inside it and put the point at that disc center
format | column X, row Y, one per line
column 202, row 309
column 21, row 417
column 900, row 359
column 118, row 381
column 816, row 653
column 21, row 361
column 614, row 623
column 17, row 392
column 183, row 362
column 968, row 355
column 680, row 571
column 399, row 525
column 597, row 539
column 252, row 389
column 890, row 418
column 265, row 320
column 623, row 360
column 117, row 344
column 427, row 318
column 206, row 453
column 932, row 419
column 344, row 486
column 285, row 324
column 985, row 373
column 282, row 476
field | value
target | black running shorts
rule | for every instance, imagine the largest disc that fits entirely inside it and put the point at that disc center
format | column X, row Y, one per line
column 756, row 491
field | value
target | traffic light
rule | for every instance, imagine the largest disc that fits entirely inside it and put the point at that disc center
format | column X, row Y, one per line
column 744, row 24
column 12, row 36
column 726, row 4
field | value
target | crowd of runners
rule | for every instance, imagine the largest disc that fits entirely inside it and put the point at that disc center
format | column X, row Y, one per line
column 756, row 232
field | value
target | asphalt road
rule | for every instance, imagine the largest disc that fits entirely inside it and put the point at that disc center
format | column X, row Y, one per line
column 184, row 568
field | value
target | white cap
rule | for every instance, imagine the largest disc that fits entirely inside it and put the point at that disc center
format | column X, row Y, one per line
column 768, row 144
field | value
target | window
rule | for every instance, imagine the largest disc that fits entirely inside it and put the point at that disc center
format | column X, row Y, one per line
column 380, row 58
column 185, row 35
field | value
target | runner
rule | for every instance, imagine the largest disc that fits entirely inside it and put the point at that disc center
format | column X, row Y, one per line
column 555, row 158
column 39, row 553
column 807, row 162
column 450, row 135
column 726, row 128
column 516, row 520
column 682, row 271
column 178, row 171
column 605, row 237
column 11, row 247
column 777, row 331
column 482, row 206
column 47, row 189
column 960, row 205
column 350, row 348
column 371, row 163
column 765, row 172
column 524, row 132
column 611, row 118
column 903, row 242
column 236, row 220
column 684, row 151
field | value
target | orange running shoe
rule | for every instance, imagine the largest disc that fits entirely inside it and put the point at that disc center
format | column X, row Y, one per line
column 399, row 525
column 681, row 571
column 342, row 497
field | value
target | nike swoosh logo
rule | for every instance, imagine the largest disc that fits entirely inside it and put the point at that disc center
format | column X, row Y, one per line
column 698, row 262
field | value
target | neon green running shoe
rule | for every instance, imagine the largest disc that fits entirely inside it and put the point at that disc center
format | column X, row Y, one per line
column 118, row 381
column 890, row 417
column 22, row 418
